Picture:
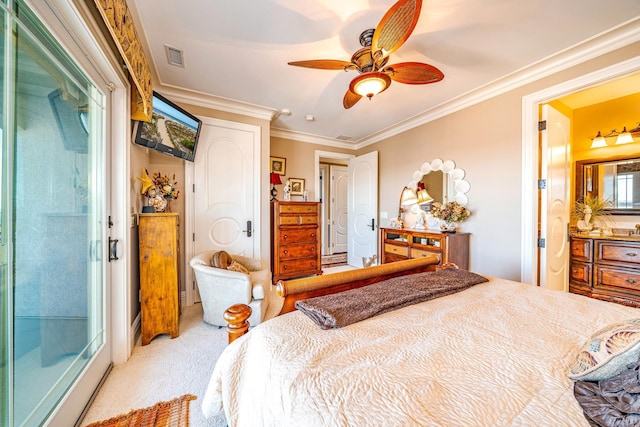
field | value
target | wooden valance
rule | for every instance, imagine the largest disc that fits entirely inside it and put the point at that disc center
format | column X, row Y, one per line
column 118, row 19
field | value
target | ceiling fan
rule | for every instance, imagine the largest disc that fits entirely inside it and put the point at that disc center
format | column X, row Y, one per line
column 370, row 61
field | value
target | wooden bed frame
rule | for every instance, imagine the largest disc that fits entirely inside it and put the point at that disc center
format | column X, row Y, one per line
column 314, row 286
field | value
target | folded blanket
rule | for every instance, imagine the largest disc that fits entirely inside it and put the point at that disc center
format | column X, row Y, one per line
column 344, row 308
column 611, row 402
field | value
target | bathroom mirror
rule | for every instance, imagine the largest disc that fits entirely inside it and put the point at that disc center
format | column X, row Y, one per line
column 614, row 179
column 451, row 182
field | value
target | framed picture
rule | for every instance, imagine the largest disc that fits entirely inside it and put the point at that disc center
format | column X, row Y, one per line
column 278, row 165
column 297, row 186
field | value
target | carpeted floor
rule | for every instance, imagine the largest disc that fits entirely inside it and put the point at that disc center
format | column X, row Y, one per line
column 163, row 370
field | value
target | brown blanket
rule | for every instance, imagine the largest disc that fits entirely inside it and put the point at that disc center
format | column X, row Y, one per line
column 611, row 402
column 344, row 308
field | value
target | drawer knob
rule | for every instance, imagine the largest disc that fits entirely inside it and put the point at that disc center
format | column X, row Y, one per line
column 313, row 264
column 286, row 252
column 576, row 271
column 285, row 236
column 284, row 267
column 631, row 254
column 631, row 281
column 312, row 249
column 313, row 234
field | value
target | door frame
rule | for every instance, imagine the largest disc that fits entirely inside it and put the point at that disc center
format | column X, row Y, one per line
column 530, row 157
column 316, row 164
column 189, row 201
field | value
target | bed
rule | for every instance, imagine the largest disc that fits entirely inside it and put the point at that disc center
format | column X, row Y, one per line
column 496, row 353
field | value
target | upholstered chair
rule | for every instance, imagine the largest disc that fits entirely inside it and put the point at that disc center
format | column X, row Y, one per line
column 221, row 288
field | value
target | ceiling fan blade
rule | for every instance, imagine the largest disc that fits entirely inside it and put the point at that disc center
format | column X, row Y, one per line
column 350, row 99
column 413, row 73
column 395, row 27
column 324, row 64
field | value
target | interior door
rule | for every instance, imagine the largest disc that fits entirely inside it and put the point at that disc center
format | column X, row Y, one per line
column 226, row 212
column 339, row 209
column 554, row 201
column 363, row 209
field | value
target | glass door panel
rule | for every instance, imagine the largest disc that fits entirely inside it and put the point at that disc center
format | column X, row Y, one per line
column 54, row 134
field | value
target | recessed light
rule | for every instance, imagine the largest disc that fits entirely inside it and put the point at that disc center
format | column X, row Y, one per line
column 309, row 117
column 285, row 112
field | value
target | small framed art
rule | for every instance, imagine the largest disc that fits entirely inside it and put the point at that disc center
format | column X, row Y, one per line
column 278, row 165
column 297, row 186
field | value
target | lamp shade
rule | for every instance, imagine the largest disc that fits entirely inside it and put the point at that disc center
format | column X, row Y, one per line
column 408, row 197
column 275, row 179
column 424, row 197
column 624, row 137
column 598, row 141
column 370, row 84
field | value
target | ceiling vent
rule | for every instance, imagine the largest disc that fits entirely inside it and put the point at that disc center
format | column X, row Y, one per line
column 174, row 56
column 344, row 138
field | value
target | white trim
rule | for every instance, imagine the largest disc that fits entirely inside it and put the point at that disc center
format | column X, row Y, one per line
column 529, row 232
column 189, row 201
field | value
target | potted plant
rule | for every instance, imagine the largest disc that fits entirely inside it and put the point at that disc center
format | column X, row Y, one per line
column 589, row 211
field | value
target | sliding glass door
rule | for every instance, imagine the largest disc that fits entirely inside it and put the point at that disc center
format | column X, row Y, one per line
column 52, row 258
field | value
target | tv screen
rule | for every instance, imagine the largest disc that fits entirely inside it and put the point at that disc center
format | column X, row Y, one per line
column 172, row 130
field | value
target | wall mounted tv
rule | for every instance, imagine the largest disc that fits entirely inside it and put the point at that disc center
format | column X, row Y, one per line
column 172, row 130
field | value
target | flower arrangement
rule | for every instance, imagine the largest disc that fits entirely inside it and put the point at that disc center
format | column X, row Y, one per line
column 591, row 210
column 159, row 189
column 449, row 212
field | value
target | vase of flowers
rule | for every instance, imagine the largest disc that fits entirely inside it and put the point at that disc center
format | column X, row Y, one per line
column 449, row 214
column 161, row 191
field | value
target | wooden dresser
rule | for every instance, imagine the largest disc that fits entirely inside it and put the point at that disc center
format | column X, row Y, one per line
column 159, row 274
column 606, row 268
column 401, row 244
column 295, row 239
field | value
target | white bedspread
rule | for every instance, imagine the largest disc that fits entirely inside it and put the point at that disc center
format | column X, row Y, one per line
column 493, row 355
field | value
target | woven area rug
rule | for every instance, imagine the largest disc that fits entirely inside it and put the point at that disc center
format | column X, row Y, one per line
column 337, row 259
column 174, row 413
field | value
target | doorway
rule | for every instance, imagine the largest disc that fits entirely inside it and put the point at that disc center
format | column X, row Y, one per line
column 531, row 157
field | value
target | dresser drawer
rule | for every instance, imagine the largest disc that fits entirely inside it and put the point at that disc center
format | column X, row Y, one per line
column 299, row 220
column 618, row 252
column 298, row 266
column 297, row 251
column 581, row 249
column 421, row 253
column 299, row 209
column 396, row 250
column 304, row 235
column 580, row 273
column 623, row 278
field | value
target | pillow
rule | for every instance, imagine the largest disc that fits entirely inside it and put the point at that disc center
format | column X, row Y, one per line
column 236, row 266
column 608, row 352
column 221, row 259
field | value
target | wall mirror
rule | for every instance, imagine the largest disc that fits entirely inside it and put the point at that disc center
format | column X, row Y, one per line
column 614, row 179
column 443, row 181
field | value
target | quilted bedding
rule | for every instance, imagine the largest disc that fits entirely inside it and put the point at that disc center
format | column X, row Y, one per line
column 496, row 354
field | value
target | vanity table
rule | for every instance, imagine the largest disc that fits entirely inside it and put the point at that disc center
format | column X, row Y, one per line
column 606, row 268
column 400, row 244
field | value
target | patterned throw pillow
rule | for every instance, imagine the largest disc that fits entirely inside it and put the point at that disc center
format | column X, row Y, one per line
column 236, row 266
column 608, row 352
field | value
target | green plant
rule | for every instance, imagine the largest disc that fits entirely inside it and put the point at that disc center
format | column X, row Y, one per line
column 599, row 210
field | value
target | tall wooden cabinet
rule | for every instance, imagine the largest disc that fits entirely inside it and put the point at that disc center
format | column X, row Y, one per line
column 159, row 274
column 295, row 239
column 400, row 244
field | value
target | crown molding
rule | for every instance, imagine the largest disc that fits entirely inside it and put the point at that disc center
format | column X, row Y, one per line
column 311, row 139
column 202, row 99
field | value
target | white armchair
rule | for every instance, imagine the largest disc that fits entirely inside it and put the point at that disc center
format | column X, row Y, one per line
column 220, row 288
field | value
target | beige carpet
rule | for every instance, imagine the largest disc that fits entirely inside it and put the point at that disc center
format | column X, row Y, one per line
column 337, row 259
column 162, row 370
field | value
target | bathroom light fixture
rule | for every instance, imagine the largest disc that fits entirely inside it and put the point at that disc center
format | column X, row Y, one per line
column 624, row 137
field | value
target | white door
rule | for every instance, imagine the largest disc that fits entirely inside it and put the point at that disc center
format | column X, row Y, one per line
column 363, row 208
column 339, row 209
column 226, row 177
column 555, row 204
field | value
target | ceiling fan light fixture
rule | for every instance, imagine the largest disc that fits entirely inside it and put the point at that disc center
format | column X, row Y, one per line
column 370, row 84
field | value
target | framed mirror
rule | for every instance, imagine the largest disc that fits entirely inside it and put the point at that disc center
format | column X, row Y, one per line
column 614, row 179
column 445, row 176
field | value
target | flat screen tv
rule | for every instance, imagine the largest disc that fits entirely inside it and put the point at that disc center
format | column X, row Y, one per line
column 172, row 130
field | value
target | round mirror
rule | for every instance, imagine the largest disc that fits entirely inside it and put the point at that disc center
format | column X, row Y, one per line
column 454, row 185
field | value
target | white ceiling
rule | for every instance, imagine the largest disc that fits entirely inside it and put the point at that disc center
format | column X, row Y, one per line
column 237, row 51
